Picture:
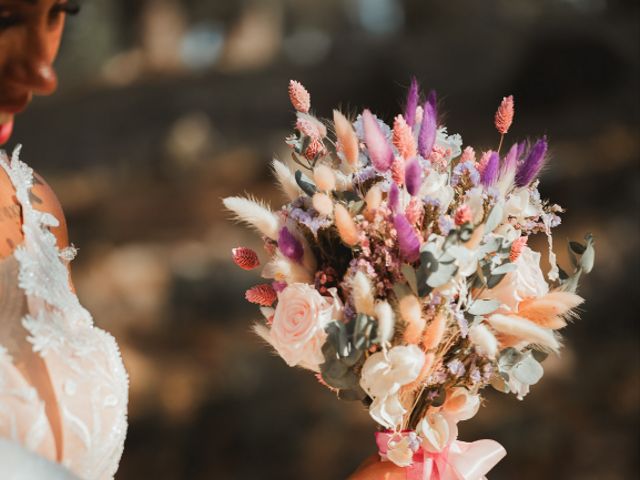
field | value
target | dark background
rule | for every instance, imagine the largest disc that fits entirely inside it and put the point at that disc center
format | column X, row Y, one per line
column 167, row 106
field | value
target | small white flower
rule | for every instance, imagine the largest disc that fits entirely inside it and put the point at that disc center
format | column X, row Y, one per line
column 383, row 374
column 401, row 452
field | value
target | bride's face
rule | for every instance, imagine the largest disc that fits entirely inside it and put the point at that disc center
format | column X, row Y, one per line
column 30, row 32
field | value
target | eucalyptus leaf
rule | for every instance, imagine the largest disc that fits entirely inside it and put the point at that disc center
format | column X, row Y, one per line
column 508, row 358
column 577, row 247
column 442, row 276
column 352, row 395
column 483, row 307
column 493, row 280
column 504, row 268
column 494, row 218
column 305, row 184
column 539, row 356
column 528, row 370
column 588, row 258
column 499, row 383
column 409, row 273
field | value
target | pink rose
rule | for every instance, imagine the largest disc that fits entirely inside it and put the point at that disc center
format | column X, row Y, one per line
column 526, row 281
column 297, row 332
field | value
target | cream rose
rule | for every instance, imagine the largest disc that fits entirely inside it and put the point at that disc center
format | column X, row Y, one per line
column 461, row 404
column 297, row 332
column 526, row 281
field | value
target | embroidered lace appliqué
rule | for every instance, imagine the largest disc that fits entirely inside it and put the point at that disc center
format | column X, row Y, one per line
column 84, row 362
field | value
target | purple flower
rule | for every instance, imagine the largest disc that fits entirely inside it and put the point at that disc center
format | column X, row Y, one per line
column 412, row 103
column 445, row 224
column 465, row 169
column 427, row 135
column 489, row 175
column 456, row 367
column 289, row 245
column 394, row 198
column 408, row 240
column 530, row 167
column 380, row 151
column 413, row 176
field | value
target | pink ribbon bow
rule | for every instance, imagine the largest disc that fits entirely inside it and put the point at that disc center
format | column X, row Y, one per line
column 457, row 461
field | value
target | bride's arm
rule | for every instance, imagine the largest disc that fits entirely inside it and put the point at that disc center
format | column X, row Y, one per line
column 42, row 198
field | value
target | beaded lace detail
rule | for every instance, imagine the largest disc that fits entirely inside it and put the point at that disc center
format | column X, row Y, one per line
column 83, row 362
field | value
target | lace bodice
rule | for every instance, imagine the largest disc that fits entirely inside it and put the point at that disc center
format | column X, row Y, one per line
column 63, row 386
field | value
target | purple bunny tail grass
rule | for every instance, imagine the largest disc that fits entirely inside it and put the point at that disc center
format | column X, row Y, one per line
column 394, row 198
column 289, row 245
column 380, row 151
column 489, row 175
column 408, row 240
column 522, row 148
column 532, row 164
column 427, row 135
column 413, row 177
column 511, row 160
column 412, row 102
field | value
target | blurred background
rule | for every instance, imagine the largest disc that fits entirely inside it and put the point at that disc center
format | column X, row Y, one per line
column 166, row 106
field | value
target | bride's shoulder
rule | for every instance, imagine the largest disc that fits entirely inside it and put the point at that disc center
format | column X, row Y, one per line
column 43, row 198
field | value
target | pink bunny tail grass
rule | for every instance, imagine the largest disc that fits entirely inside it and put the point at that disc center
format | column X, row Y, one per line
column 504, row 115
column 300, row 98
column 408, row 240
column 347, row 139
column 412, row 102
column 468, row 155
column 315, row 148
column 398, row 171
column 463, row 215
column 403, row 138
column 245, row 258
column 516, row 248
column 380, row 151
column 263, row 295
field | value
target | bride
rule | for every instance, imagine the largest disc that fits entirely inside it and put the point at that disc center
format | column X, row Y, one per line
column 63, row 387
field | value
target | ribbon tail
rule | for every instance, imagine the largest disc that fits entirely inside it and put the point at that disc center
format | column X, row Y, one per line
column 472, row 461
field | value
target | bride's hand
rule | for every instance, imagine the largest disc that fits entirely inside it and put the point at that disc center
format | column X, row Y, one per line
column 375, row 469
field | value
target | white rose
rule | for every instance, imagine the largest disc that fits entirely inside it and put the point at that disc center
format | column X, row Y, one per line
column 461, row 405
column 297, row 332
column 526, row 281
column 437, row 431
column 436, row 186
column 383, row 373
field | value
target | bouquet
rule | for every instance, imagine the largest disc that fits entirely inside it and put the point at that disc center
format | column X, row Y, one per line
column 399, row 272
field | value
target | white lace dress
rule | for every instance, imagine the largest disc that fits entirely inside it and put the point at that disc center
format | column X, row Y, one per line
column 63, row 386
